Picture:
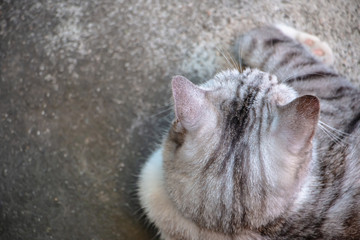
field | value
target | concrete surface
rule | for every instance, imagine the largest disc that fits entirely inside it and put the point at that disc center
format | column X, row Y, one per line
column 84, row 97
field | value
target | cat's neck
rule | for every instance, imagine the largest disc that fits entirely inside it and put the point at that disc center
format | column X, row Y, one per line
column 161, row 211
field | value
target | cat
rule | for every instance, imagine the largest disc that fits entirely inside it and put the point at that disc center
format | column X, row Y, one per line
column 271, row 152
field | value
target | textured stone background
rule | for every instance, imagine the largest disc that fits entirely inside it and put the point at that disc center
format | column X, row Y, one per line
column 84, row 97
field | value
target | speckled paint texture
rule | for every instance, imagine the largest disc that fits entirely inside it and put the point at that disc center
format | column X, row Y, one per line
column 85, row 96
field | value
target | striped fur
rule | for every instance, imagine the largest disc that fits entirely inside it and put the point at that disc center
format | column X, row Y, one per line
column 246, row 157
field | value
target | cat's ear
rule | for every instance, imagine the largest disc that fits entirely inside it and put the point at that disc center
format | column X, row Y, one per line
column 189, row 101
column 297, row 123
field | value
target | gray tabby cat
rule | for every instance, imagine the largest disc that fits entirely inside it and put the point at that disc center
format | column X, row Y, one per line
column 260, row 155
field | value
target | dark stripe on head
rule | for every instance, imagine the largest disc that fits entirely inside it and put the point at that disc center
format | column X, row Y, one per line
column 223, row 208
column 241, row 167
column 261, row 159
column 238, row 89
column 225, row 161
column 235, row 122
column 253, row 117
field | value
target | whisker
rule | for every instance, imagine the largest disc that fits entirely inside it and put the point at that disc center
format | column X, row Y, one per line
column 338, row 135
column 236, row 63
column 230, row 62
column 335, row 137
column 168, row 109
column 328, row 134
column 334, row 129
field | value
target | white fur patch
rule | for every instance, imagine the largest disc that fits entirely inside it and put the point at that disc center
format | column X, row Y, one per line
column 156, row 203
column 151, row 180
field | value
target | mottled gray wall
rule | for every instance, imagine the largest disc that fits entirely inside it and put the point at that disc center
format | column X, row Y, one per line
column 84, row 97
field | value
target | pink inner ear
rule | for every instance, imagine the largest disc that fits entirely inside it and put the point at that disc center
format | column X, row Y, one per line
column 189, row 102
column 298, row 121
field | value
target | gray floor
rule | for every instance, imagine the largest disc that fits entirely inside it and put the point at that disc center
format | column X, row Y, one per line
column 84, row 97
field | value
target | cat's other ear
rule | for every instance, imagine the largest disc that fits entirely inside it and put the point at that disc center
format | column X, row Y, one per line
column 189, row 101
column 297, row 123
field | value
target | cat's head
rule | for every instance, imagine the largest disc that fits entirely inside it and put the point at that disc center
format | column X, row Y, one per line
column 238, row 150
